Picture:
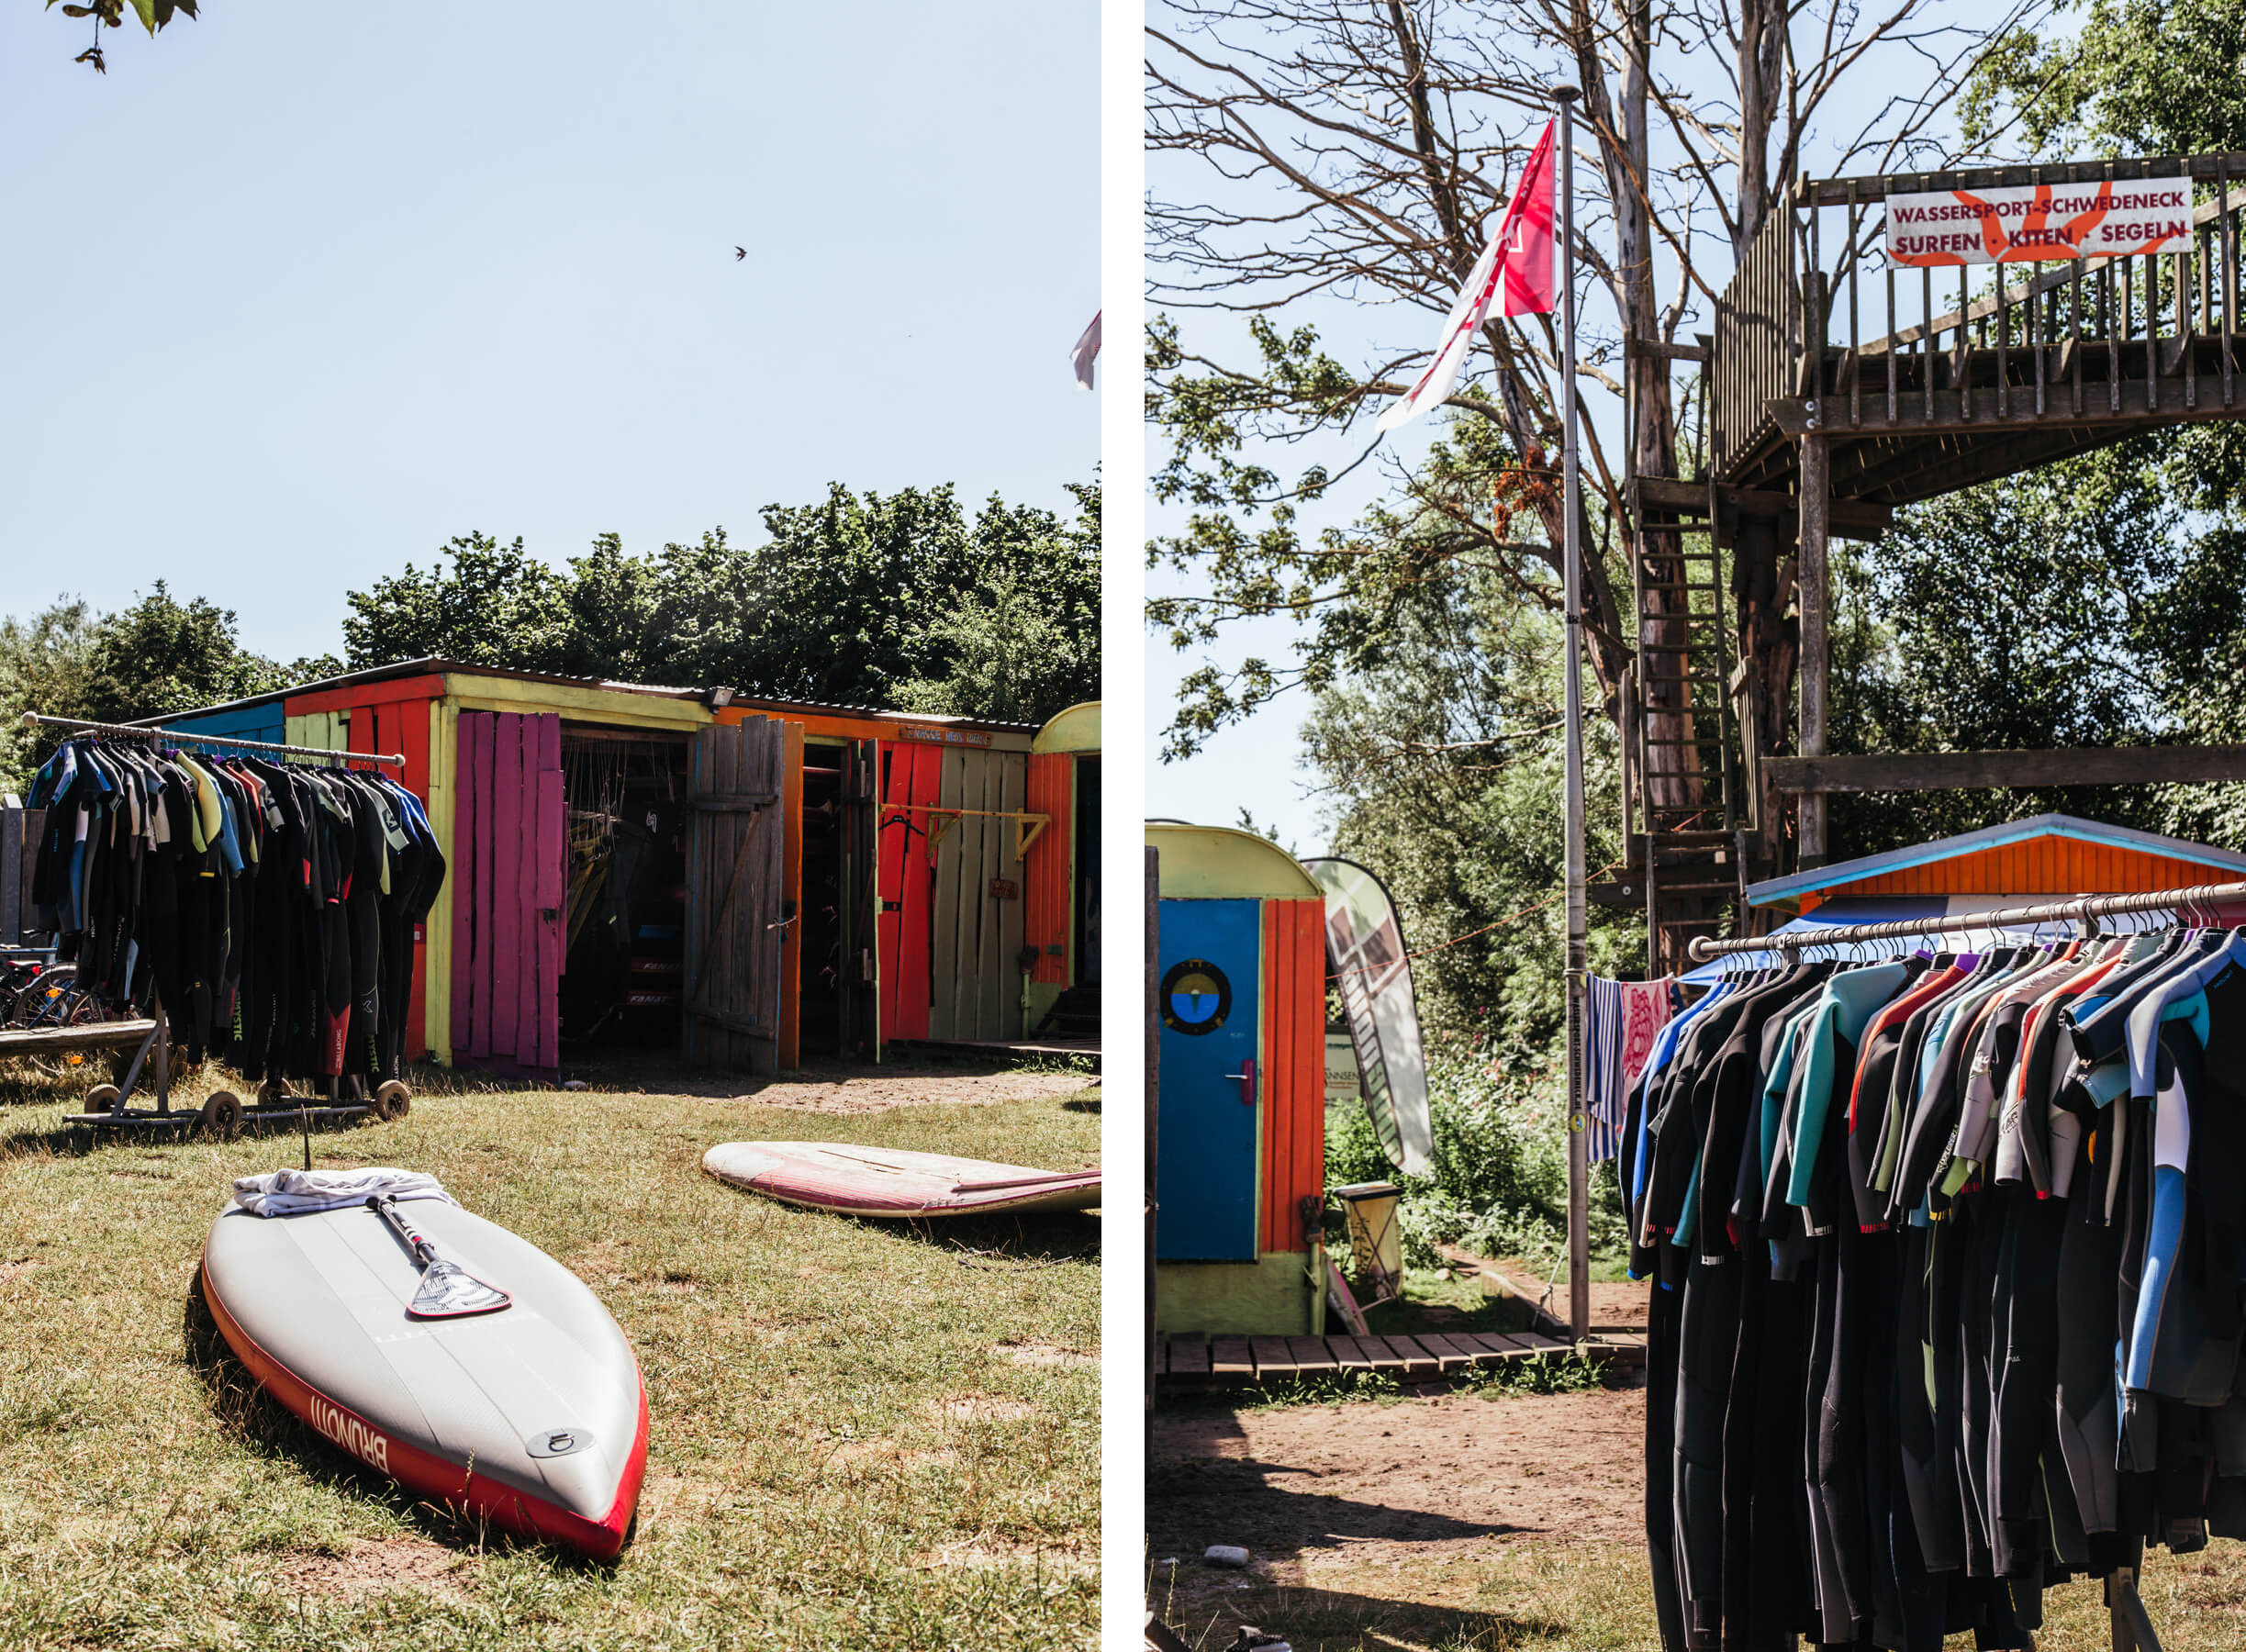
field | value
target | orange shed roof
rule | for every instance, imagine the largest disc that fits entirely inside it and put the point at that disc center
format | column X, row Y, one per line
column 2043, row 854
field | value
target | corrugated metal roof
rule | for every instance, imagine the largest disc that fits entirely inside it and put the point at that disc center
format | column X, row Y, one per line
column 1990, row 837
column 434, row 664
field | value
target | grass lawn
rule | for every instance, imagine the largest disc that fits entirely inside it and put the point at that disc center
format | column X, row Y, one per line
column 864, row 1436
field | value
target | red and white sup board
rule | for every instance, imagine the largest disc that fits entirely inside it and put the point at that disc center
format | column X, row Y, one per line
column 534, row 1417
column 851, row 1180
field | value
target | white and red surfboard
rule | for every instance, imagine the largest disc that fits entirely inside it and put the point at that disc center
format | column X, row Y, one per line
column 851, row 1180
column 534, row 1417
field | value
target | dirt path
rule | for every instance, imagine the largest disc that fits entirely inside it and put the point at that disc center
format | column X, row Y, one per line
column 829, row 1087
column 1450, row 1471
column 1379, row 1516
column 1616, row 1305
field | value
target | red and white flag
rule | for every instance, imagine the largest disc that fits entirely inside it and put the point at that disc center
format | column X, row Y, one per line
column 1514, row 270
column 1087, row 351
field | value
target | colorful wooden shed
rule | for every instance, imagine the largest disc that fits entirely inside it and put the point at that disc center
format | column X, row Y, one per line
column 748, row 880
column 1240, row 1103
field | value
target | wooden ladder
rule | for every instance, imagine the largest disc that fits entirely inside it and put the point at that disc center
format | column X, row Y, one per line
column 1683, row 782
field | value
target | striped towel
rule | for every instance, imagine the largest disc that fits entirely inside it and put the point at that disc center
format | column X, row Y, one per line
column 1622, row 1020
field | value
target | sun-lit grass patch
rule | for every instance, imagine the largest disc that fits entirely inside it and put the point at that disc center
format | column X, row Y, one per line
column 847, row 1450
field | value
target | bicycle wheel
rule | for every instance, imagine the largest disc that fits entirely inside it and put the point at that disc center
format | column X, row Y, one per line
column 67, row 1007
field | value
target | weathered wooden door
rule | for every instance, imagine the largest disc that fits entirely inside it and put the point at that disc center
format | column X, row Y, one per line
column 976, row 958
column 507, row 849
column 732, row 941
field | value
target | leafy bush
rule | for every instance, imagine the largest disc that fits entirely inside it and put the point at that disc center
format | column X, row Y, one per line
column 1497, row 1176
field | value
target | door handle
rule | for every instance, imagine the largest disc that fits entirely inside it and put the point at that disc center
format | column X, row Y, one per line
column 1247, row 1076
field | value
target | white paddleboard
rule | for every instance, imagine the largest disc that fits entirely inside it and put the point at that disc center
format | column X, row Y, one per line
column 851, row 1180
column 533, row 1417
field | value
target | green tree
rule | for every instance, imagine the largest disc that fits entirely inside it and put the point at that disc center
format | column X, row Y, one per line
column 158, row 656
column 1439, row 764
column 495, row 605
column 2076, row 605
column 858, row 599
column 110, row 14
column 162, row 656
column 2141, row 77
column 43, row 667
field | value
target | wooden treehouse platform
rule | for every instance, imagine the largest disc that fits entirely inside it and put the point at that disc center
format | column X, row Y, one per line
column 1923, row 380
column 1838, row 386
column 1194, row 1359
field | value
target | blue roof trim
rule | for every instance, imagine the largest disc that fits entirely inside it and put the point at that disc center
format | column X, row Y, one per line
column 1991, row 837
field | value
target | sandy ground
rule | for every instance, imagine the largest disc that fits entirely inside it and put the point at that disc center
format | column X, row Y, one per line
column 1385, row 1513
column 1450, row 1471
column 825, row 1087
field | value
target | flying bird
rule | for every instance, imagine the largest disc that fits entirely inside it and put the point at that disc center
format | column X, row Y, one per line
column 740, row 253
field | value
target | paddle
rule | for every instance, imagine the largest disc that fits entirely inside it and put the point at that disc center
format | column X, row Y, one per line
column 447, row 1290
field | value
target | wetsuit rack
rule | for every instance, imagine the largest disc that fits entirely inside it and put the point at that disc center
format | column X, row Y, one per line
column 222, row 1113
column 2131, row 1625
column 33, row 719
column 2082, row 909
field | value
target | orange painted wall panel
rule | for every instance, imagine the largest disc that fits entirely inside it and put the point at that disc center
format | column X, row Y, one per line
column 1048, row 907
column 2040, row 866
column 1294, row 1068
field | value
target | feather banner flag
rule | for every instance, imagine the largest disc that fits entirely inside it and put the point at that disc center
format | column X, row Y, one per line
column 1087, row 351
column 1514, row 271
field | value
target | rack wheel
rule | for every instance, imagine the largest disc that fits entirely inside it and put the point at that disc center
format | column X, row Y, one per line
column 273, row 1092
column 220, row 1116
column 392, row 1101
column 103, row 1098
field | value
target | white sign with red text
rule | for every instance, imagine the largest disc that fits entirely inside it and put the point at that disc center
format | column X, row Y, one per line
column 2040, row 223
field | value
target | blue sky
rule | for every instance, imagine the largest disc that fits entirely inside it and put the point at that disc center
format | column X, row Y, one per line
column 301, row 292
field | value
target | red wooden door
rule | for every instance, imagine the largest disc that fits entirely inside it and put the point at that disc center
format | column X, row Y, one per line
column 911, row 776
column 508, row 843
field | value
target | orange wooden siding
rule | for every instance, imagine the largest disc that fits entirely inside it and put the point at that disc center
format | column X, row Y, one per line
column 1048, row 902
column 2043, row 866
column 1294, row 1068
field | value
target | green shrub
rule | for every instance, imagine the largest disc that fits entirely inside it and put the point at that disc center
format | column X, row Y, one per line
column 1497, row 1173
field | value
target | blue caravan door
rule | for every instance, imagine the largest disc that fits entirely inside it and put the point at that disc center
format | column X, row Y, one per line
column 1210, row 968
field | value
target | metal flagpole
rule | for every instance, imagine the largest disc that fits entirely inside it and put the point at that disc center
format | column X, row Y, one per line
column 1579, row 1163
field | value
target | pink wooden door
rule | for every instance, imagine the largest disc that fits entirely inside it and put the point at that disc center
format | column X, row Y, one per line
column 912, row 778
column 507, row 838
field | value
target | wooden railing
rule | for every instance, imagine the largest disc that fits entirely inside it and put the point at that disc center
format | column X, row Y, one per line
column 2144, row 338
column 1758, row 343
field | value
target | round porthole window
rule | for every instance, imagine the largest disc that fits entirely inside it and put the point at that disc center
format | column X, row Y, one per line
column 1196, row 997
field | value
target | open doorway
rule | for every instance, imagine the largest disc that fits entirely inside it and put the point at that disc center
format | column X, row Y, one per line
column 626, row 793
column 836, row 979
column 1087, row 871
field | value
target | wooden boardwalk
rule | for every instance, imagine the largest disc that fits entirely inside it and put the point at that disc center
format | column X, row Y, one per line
column 1196, row 1359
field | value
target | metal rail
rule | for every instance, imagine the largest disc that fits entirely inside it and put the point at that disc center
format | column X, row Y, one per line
column 2091, row 906
column 32, row 719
